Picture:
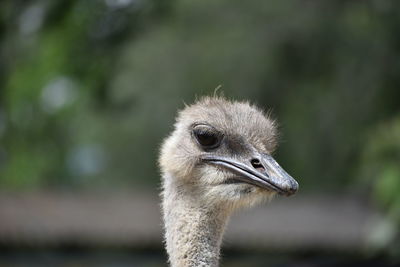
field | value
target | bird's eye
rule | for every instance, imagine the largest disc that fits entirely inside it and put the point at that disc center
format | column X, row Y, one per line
column 207, row 137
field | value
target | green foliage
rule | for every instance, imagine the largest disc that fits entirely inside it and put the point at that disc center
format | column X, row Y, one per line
column 380, row 165
column 91, row 90
column 380, row 162
column 54, row 72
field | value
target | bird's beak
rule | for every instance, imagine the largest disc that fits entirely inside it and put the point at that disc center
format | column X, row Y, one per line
column 262, row 171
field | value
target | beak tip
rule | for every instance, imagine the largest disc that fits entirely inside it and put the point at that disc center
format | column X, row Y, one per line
column 292, row 188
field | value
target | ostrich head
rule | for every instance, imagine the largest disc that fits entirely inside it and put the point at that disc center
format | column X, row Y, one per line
column 220, row 153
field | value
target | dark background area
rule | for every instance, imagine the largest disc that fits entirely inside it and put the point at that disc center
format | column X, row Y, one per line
column 88, row 90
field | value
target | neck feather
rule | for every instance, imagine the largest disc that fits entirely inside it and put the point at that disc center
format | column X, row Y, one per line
column 193, row 230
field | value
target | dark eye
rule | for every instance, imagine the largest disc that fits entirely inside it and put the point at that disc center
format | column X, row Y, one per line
column 207, row 137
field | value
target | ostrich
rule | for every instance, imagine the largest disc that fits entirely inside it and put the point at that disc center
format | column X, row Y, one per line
column 217, row 160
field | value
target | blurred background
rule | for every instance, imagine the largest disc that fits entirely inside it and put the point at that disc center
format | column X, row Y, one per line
column 88, row 90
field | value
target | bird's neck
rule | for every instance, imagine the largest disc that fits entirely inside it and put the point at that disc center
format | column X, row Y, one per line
column 193, row 231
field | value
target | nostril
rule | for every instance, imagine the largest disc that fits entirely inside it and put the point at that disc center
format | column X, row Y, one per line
column 257, row 164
